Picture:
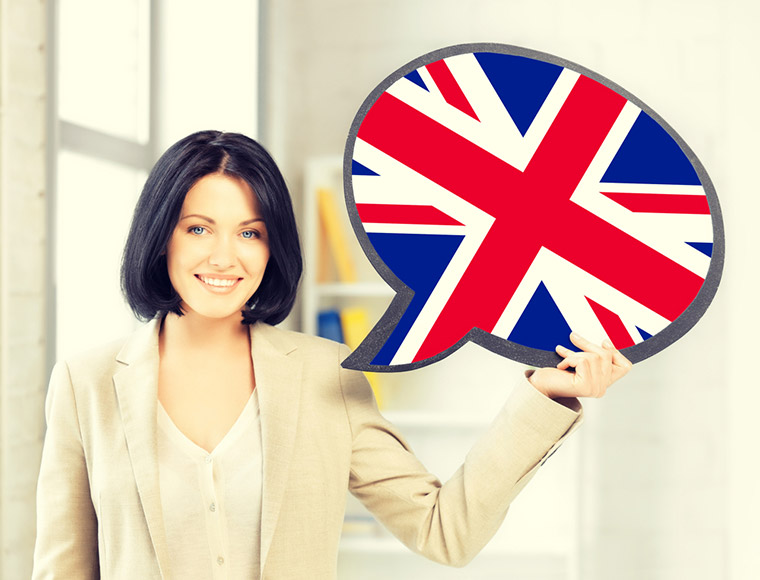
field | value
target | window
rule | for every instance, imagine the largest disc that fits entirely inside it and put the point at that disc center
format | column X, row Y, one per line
column 130, row 78
column 103, row 125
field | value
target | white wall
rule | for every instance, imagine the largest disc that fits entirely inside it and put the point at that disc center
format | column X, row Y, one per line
column 208, row 68
column 23, row 195
column 670, row 486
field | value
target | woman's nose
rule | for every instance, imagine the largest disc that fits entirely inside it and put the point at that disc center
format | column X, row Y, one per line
column 223, row 253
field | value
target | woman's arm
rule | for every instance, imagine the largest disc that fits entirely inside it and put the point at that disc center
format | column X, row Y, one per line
column 67, row 543
column 451, row 523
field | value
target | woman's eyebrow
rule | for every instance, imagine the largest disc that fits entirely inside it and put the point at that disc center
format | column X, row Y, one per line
column 212, row 222
column 197, row 215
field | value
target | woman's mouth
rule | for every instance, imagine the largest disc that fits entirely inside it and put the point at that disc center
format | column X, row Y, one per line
column 218, row 284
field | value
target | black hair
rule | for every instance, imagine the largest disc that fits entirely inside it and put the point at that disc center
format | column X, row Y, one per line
column 144, row 275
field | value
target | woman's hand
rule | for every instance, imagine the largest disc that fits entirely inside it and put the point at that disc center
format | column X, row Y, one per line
column 596, row 368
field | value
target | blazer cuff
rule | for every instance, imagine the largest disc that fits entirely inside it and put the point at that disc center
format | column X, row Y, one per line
column 554, row 421
column 547, row 415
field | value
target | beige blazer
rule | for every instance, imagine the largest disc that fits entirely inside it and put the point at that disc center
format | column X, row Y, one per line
column 98, row 505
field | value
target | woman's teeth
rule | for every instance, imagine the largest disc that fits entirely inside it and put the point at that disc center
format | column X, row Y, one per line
column 217, row 281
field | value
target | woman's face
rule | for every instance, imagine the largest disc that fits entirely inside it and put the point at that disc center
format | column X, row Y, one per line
column 219, row 249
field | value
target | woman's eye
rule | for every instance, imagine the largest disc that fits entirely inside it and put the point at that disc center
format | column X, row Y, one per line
column 197, row 230
column 249, row 234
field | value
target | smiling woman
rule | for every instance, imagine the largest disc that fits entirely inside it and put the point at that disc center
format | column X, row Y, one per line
column 216, row 168
column 211, row 444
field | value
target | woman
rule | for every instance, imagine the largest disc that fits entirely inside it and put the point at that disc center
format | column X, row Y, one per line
column 203, row 447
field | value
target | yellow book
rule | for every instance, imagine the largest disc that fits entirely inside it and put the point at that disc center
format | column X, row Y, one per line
column 336, row 236
column 355, row 323
column 325, row 266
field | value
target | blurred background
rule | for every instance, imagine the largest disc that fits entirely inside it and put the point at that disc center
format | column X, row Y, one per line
column 661, row 482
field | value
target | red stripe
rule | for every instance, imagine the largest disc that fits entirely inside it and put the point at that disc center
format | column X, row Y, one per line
column 377, row 213
column 436, row 152
column 661, row 202
column 613, row 326
column 571, row 143
column 499, row 265
column 657, row 282
column 449, row 87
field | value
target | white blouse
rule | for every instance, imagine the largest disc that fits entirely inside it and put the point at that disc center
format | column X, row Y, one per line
column 212, row 501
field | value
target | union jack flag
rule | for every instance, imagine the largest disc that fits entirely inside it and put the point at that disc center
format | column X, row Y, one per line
column 516, row 197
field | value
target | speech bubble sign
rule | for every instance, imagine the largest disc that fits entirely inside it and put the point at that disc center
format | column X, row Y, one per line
column 509, row 196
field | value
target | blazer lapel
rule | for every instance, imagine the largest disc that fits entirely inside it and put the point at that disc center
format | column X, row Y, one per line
column 137, row 391
column 278, row 373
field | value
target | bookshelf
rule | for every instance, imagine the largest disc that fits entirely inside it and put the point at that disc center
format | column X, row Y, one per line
column 441, row 410
column 322, row 284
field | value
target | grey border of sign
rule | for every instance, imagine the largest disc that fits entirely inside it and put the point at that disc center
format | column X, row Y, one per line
column 361, row 358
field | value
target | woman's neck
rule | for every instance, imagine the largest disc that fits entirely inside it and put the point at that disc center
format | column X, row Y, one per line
column 197, row 333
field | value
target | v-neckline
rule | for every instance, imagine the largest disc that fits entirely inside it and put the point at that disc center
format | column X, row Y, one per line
column 190, row 446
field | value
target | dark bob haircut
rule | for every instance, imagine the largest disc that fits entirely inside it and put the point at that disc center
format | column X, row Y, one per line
column 144, row 275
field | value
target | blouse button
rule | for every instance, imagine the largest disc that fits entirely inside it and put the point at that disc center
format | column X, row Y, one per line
column 208, row 459
column 220, row 560
column 212, row 507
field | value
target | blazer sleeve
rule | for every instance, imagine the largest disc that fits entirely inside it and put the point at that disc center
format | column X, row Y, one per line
column 67, row 543
column 450, row 523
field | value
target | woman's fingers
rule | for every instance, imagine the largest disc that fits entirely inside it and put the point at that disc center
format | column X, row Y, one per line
column 584, row 344
column 595, row 367
column 620, row 364
column 594, row 353
column 570, row 358
column 565, row 353
column 606, row 350
column 586, row 373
